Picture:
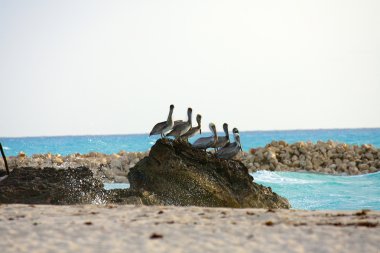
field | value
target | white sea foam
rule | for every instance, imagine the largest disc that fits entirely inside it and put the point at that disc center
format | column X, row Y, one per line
column 273, row 177
column 6, row 148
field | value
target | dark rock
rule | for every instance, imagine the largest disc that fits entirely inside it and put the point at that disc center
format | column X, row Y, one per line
column 176, row 174
column 173, row 174
column 51, row 186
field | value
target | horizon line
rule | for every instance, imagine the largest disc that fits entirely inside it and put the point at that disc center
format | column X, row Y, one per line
column 244, row 131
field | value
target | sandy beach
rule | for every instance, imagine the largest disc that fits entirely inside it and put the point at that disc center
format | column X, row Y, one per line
column 126, row 228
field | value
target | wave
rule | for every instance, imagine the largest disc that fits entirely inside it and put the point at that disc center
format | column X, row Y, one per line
column 279, row 178
column 309, row 178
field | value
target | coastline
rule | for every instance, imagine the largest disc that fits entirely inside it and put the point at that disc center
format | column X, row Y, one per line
column 323, row 158
column 120, row 228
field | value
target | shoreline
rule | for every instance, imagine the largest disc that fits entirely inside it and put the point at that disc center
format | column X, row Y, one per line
column 120, row 228
column 147, row 133
column 329, row 157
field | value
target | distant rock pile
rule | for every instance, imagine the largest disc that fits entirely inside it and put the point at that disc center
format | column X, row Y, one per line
column 108, row 168
column 323, row 157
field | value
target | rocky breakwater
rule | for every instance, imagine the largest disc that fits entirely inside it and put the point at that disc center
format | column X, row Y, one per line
column 108, row 168
column 323, row 157
column 174, row 173
column 50, row 186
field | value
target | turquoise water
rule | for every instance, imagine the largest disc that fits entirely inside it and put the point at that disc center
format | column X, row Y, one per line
column 309, row 191
column 112, row 186
column 304, row 190
column 141, row 142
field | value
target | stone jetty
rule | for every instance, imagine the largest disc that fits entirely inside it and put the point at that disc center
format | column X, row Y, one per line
column 322, row 157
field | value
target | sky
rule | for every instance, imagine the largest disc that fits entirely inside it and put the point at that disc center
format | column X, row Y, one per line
column 114, row 67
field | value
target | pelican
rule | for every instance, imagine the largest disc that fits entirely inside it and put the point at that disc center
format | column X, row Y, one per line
column 165, row 126
column 231, row 149
column 194, row 130
column 207, row 142
column 182, row 127
column 224, row 140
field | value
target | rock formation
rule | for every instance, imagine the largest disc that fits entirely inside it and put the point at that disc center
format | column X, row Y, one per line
column 323, row 157
column 172, row 174
column 176, row 174
column 51, row 186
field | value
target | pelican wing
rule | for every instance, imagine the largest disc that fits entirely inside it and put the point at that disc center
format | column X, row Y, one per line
column 228, row 152
column 157, row 129
column 193, row 131
column 177, row 122
column 222, row 142
column 204, row 142
column 179, row 129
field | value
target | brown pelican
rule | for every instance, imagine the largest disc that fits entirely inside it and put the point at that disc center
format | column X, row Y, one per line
column 181, row 128
column 194, row 130
column 207, row 142
column 165, row 126
column 224, row 140
column 231, row 149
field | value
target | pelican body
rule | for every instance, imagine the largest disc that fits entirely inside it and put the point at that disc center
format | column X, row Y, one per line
column 207, row 142
column 194, row 130
column 231, row 149
column 165, row 126
column 182, row 127
column 223, row 140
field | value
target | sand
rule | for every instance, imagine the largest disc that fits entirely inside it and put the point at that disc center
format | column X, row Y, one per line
column 123, row 228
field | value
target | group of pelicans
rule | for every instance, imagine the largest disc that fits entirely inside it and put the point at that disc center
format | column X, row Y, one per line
column 183, row 130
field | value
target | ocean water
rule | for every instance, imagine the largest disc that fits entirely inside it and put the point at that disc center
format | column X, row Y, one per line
column 304, row 190
column 309, row 191
column 142, row 142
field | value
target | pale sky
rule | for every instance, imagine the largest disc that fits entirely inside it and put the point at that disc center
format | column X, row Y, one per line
column 114, row 67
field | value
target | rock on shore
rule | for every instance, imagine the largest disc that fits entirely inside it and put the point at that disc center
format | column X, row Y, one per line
column 174, row 173
column 323, row 157
column 51, row 186
column 108, row 168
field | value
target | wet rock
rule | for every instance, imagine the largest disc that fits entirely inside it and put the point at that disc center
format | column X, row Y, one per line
column 176, row 174
column 50, row 186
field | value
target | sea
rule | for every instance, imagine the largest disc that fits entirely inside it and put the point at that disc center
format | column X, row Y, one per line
column 306, row 191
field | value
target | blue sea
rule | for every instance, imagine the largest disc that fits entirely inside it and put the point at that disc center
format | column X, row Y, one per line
column 142, row 142
column 310, row 191
column 306, row 191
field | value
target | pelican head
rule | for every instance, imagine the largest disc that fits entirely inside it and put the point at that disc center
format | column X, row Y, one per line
column 199, row 118
column 189, row 113
column 212, row 128
column 237, row 137
column 225, row 128
column 171, row 107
